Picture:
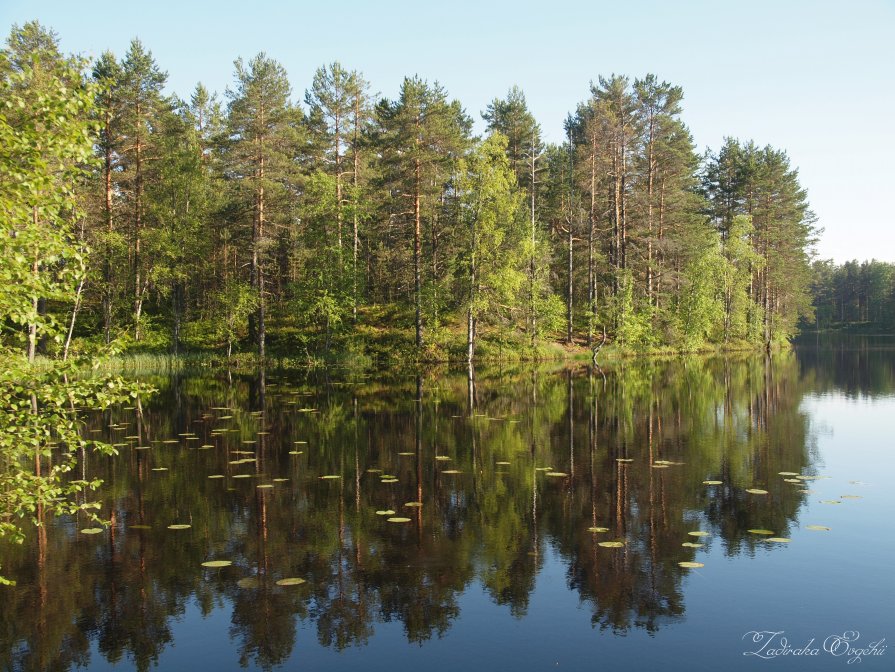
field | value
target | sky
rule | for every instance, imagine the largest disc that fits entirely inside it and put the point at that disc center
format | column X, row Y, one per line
column 814, row 78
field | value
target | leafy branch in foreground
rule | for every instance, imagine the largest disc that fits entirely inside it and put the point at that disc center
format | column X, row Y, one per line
column 45, row 148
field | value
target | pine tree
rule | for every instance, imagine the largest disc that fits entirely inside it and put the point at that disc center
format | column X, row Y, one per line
column 141, row 102
column 107, row 77
column 261, row 134
column 421, row 135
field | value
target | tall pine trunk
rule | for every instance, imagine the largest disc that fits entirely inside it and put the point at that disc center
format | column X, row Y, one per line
column 417, row 284
column 138, row 221
column 107, row 206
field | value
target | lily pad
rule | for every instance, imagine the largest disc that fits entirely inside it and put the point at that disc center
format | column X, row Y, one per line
column 660, row 466
column 217, row 563
column 502, row 464
column 406, row 454
column 761, row 531
column 413, row 504
column 291, row 581
column 598, row 529
column 699, row 533
column 779, row 540
column 788, row 473
column 280, row 480
column 330, row 477
column 817, row 528
column 611, row 544
column 850, row 497
column 216, row 476
column 389, row 480
column 442, row 458
column 160, row 469
column 385, row 512
column 756, row 491
column 690, row 544
column 91, row 530
column 556, row 474
column 624, row 460
column 792, row 480
column 691, row 565
column 712, row 482
column 397, row 519
column 264, row 485
column 830, row 501
column 451, row 471
column 296, row 452
column 179, row 526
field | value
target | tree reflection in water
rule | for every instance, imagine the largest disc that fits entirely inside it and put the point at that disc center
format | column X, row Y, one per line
column 491, row 523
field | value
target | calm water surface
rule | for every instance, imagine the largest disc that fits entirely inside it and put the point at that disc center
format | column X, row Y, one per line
column 502, row 483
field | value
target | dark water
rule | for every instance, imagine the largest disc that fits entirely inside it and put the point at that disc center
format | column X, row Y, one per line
column 497, row 568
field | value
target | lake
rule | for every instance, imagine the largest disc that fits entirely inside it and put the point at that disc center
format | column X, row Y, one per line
column 529, row 519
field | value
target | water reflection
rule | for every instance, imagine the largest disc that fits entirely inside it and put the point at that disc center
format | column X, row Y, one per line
column 632, row 447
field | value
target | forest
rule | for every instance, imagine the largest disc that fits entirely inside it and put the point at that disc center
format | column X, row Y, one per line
column 854, row 295
column 339, row 225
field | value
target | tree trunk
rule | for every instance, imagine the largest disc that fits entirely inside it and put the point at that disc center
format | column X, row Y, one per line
column 470, row 318
column 74, row 317
column 591, row 271
column 107, row 205
column 262, row 332
column 531, row 268
column 176, row 303
column 35, row 270
column 417, row 284
column 569, row 289
column 649, row 210
column 355, row 198
column 138, row 220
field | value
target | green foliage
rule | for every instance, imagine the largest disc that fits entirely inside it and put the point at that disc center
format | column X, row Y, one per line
column 700, row 308
column 631, row 316
column 758, row 182
column 490, row 210
column 45, row 142
column 231, row 307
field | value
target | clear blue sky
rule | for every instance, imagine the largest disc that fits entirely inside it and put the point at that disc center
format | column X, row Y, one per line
column 814, row 78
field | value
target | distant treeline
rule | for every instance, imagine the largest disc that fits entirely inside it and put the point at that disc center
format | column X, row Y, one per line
column 349, row 221
column 854, row 294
